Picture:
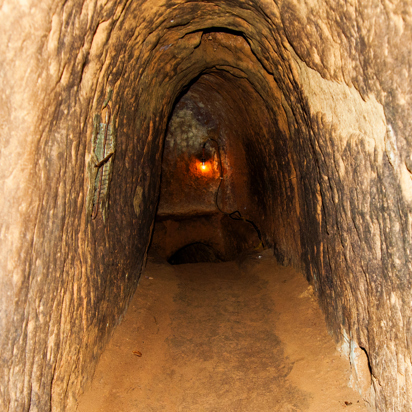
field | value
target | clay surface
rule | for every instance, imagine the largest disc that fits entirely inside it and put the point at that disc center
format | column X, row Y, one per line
column 246, row 336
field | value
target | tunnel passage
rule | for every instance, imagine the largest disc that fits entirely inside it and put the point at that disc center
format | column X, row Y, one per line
column 216, row 187
column 327, row 88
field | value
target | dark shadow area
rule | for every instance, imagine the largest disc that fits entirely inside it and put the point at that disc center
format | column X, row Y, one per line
column 195, row 253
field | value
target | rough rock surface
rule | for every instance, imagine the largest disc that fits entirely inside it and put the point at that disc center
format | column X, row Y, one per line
column 330, row 167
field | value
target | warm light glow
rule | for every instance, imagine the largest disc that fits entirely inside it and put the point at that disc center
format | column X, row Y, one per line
column 204, row 167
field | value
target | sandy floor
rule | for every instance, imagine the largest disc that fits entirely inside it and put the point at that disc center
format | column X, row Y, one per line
column 222, row 337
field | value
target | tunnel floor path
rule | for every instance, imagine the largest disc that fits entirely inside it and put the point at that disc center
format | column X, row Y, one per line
column 235, row 336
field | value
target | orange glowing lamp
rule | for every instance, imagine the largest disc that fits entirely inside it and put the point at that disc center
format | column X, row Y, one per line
column 204, row 167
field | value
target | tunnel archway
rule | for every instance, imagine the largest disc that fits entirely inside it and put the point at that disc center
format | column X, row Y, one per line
column 332, row 162
column 241, row 138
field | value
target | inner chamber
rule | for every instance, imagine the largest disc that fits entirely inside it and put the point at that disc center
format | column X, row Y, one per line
column 211, row 206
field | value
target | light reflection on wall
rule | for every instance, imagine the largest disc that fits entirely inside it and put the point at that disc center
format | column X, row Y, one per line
column 205, row 168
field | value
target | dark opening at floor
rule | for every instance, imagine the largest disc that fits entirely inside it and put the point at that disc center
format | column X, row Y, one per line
column 195, row 253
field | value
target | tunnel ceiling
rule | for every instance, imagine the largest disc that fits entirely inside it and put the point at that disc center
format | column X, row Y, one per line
column 324, row 92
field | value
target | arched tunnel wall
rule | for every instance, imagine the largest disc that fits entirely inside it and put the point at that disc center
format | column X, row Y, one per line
column 243, row 141
column 339, row 190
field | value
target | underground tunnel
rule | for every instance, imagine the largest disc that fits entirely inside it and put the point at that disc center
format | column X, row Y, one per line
column 210, row 189
column 207, row 131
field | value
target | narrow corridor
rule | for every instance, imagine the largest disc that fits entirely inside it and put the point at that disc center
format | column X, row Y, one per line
column 234, row 336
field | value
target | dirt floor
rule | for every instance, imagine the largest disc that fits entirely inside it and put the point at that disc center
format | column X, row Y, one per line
column 236, row 336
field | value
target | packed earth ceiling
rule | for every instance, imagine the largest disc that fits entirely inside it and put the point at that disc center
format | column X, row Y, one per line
column 315, row 95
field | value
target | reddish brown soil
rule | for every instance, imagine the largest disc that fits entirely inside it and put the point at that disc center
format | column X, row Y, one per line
column 245, row 336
